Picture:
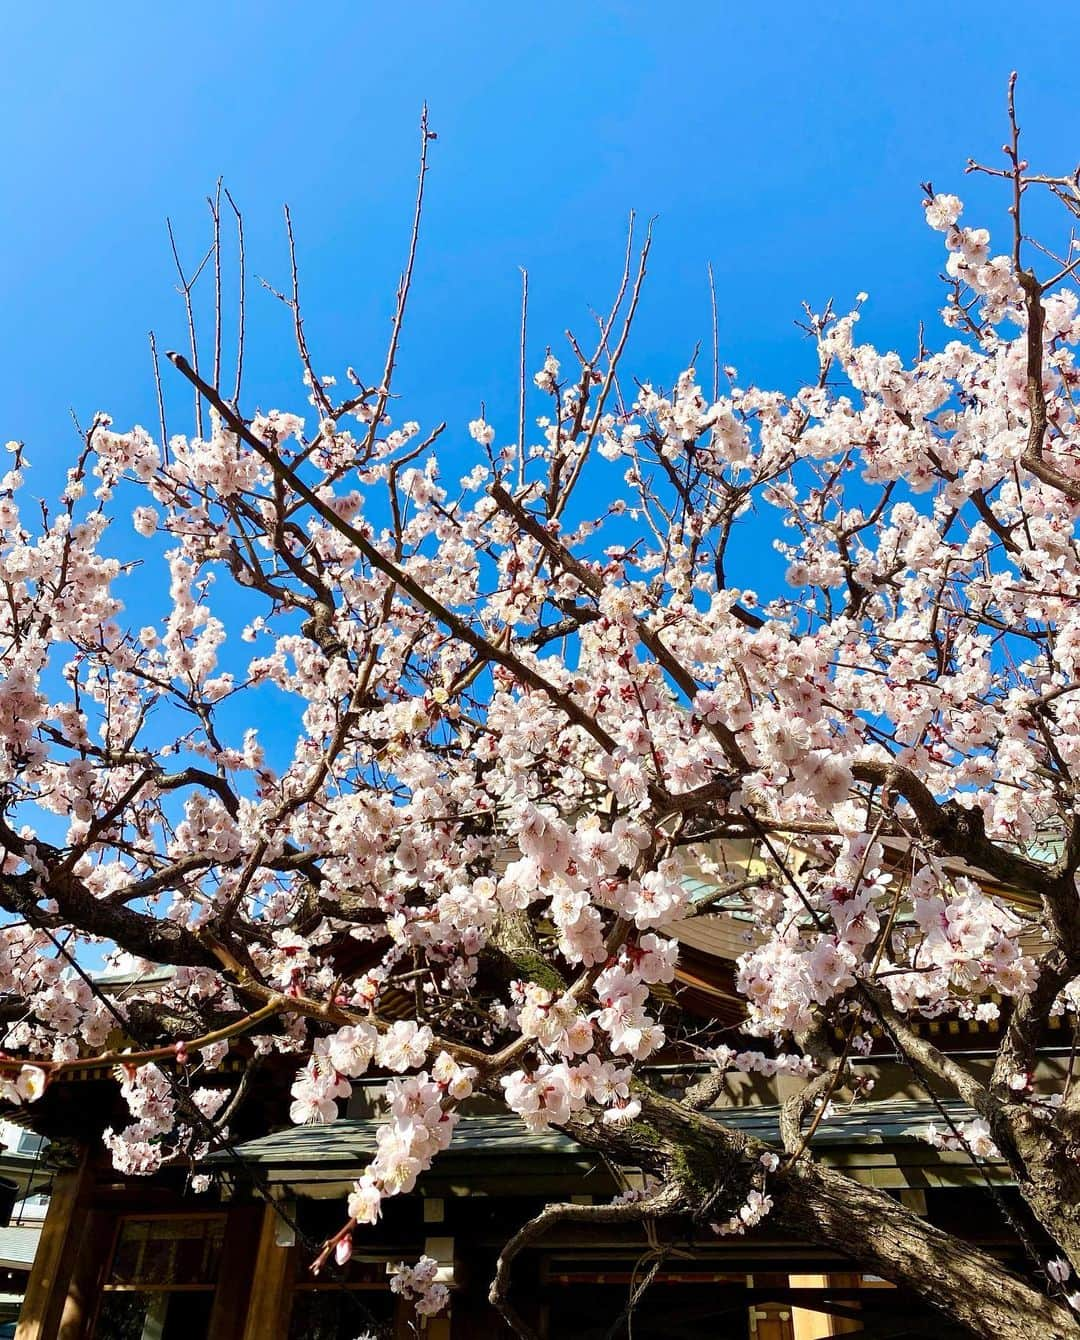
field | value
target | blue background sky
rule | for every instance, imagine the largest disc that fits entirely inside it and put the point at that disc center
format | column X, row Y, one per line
column 786, row 146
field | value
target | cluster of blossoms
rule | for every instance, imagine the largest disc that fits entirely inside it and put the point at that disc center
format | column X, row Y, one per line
column 971, row 940
column 802, row 967
column 748, row 1062
column 419, row 1122
column 27, row 1085
column 552, row 1090
column 970, row 262
column 633, row 1195
column 754, row 1208
column 420, row 1285
column 138, row 1148
column 345, row 1056
column 973, row 1136
column 749, row 1214
column 141, row 1148
column 964, row 944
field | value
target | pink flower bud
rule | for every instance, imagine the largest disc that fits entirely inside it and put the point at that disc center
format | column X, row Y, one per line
column 343, row 1251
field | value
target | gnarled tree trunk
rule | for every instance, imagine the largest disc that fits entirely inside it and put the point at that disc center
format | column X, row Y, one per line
column 713, row 1165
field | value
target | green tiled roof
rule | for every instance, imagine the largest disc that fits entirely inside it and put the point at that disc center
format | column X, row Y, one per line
column 886, row 1122
column 878, row 1143
column 18, row 1247
column 342, row 1143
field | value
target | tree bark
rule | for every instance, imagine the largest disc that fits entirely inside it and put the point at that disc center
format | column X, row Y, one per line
column 714, row 1165
column 965, row 1283
column 1050, row 1184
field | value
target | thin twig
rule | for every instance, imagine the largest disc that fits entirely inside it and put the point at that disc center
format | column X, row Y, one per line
column 160, row 400
column 241, row 308
column 715, row 335
column 214, row 202
column 186, row 286
column 521, row 386
column 321, row 399
column 404, row 285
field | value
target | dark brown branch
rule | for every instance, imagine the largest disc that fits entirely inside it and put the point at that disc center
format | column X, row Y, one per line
column 666, row 1201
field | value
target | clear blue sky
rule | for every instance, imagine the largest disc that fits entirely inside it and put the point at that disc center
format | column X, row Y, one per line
column 783, row 143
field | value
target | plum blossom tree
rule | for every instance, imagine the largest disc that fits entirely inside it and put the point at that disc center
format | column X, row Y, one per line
column 523, row 705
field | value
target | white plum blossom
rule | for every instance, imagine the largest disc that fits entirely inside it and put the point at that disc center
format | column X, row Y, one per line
column 419, row 1284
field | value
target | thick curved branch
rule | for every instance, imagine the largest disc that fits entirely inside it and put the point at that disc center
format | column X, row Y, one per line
column 669, row 1200
column 1028, row 1021
column 959, row 832
column 160, row 941
column 949, row 1073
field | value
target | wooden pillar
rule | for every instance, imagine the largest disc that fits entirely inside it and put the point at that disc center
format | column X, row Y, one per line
column 235, row 1279
column 270, row 1295
column 770, row 1323
column 94, row 1254
column 59, row 1296
column 809, row 1325
column 437, row 1328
